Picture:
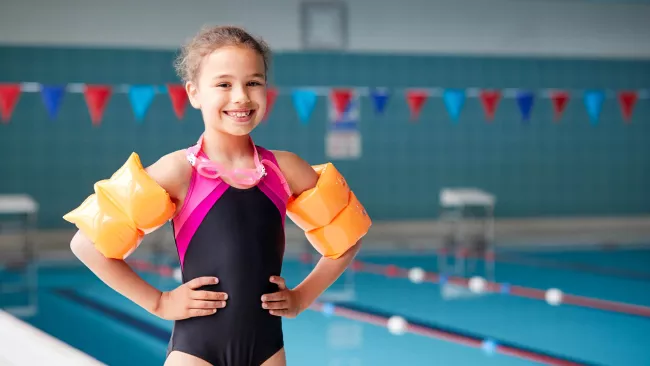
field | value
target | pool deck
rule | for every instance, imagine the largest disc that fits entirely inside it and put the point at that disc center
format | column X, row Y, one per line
column 23, row 344
column 401, row 235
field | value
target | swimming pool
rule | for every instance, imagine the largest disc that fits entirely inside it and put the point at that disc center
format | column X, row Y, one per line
column 77, row 308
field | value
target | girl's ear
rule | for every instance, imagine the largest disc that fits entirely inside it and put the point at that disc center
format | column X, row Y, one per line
column 192, row 94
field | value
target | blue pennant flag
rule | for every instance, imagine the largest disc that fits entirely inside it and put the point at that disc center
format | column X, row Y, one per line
column 594, row 103
column 525, row 101
column 454, row 100
column 141, row 97
column 304, row 101
column 380, row 98
column 52, row 96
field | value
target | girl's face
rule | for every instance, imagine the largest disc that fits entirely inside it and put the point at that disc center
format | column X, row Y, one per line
column 230, row 90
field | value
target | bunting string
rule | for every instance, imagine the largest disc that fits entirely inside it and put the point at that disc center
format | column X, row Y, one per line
column 304, row 99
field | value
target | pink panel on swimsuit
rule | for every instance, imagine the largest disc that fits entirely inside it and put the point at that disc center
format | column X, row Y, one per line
column 274, row 185
column 268, row 190
column 201, row 196
column 199, row 189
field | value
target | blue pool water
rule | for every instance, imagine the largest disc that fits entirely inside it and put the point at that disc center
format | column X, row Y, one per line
column 77, row 308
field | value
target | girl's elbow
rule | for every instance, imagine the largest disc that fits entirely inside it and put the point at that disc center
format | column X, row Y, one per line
column 79, row 244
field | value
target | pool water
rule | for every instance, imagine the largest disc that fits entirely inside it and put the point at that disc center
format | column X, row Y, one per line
column 76, row 307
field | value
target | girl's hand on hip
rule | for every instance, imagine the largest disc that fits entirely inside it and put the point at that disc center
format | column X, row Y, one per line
column 186, row 301
column 285, row 302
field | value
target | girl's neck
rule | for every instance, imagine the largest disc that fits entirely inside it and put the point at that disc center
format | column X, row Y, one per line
column 225, row 148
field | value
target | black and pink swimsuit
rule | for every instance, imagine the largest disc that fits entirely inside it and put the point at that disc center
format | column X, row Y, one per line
column 238, row 236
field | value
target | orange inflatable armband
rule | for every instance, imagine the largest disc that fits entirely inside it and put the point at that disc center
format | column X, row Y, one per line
column 317, row 206
column 122, row 210
column 330, row 214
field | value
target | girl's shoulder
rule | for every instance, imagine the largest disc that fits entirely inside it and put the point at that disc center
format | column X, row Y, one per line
column 173, row 173
column 299, row 174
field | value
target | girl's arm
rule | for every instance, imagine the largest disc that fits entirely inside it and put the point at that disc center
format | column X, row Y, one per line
column 301, row 177
column 172, row 173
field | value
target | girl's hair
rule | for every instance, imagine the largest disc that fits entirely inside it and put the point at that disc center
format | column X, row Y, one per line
column 210, row 38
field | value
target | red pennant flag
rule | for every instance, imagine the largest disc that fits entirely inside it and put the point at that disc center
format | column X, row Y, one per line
column 627, row 99
column 178, row 96
column 416, row 100
column 97, row 97
column 9, row 95
column 341, row 98
column 560, row 99
column 490, row 100
column 271, row 96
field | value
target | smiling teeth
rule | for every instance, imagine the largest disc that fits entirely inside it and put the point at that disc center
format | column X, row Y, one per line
column 240, row 114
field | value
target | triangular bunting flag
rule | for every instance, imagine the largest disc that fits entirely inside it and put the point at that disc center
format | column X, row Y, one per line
column 304, row 101
column 9, row 95
column 627, row 99
column 97, row 97
column 52, row 96
column 594, row 103
column 380, row 98
column 525, row 101
column 454, row 100
column 141, row 97
column 341, row 99
column 416, row 100
column 178, row 97
column 560, row 100
column 271, row 96
column 490, row 101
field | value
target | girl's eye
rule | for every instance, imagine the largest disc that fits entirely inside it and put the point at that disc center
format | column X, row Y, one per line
column 255, row 83
column 222, row 85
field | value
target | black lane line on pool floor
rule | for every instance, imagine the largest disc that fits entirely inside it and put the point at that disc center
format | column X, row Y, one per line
column 133, row 322
column 164, row 334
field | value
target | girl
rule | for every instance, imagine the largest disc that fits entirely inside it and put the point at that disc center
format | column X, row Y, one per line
column 229, row 228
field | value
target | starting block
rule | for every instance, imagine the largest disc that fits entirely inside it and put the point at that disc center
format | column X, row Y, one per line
column 468, row 214
column 19, row 274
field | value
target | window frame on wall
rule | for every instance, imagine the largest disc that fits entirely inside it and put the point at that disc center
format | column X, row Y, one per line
column 314, row 32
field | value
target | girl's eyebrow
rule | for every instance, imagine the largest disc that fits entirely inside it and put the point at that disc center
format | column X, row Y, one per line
column 226, row 76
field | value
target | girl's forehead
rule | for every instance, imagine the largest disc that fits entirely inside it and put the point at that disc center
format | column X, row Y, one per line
column 239, row 60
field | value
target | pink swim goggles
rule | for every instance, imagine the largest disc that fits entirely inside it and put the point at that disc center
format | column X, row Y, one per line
column 213, row 170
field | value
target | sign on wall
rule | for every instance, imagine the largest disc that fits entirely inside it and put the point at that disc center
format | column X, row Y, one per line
column 343, row 138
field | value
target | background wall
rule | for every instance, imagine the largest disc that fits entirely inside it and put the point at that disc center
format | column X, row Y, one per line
column 595, row 28
column 540, row 168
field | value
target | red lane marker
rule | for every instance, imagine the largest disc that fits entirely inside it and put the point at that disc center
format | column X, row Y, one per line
column 571, row 266
column 532, row 293
column 528, row 292
column 547, row 360
column 588, row 302
column 618, row 307
column 432, row 333
column 445, row 336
